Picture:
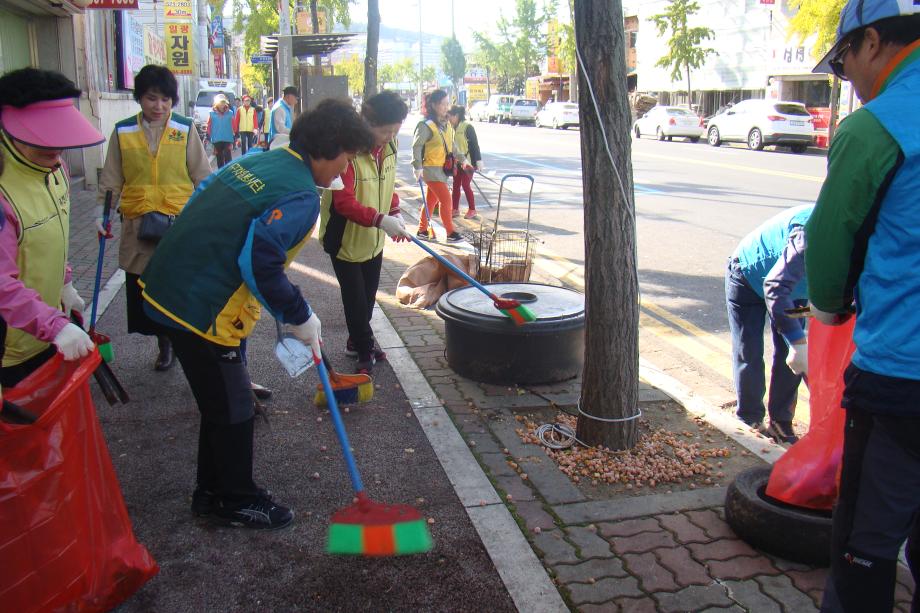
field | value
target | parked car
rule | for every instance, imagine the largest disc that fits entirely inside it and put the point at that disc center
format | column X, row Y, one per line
column 479, row 111
column 558, row 115
column 523, row 110
column 666, row 122
column 498, row 107
column 764, row 122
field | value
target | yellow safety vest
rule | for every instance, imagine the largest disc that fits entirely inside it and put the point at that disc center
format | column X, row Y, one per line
column 463, row 146
column 439, row 145
column 247, row 119
column 40, row 197
column 158, row 182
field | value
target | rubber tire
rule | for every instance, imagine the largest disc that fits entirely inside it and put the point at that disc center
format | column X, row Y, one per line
column 713, row 138
column 637, row 132
column 555, row 124
column 793, row 533
column 799, row 148
column 537, row 124
column 659, row 134
column 694, row 139
column 750, row 138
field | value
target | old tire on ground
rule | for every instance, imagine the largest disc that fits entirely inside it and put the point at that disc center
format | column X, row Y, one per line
column 793, row 533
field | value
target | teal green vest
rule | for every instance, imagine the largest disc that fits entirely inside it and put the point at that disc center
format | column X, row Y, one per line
column 194, row 277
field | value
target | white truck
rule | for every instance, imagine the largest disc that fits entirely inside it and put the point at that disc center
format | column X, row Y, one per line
column 207, row 89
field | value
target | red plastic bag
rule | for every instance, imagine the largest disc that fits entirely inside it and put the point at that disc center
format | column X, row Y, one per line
column 807, row 474
column 66, row 541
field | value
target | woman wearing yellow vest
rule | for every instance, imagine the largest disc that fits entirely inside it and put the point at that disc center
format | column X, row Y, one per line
column 355, row 220
column 431, row 148
column 155, row 160
column 39, row 120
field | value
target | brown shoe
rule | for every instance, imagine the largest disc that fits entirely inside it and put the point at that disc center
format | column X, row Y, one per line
column 166, row 359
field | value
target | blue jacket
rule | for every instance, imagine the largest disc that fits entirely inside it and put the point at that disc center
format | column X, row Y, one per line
column 221, row 127
column 758, row 251
column 887, row 333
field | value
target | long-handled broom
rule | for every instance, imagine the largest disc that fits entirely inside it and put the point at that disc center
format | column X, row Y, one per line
column 103, row 342
column 366, row 527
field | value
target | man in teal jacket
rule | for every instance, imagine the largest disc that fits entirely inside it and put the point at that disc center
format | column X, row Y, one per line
column 864, row 247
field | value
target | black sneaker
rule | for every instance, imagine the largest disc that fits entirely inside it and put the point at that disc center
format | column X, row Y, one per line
column 365, row 364
column 351, row 352
column 260, row 514
column 423, row 236
column 204, row 501
column 454, row 237
column 781, row 432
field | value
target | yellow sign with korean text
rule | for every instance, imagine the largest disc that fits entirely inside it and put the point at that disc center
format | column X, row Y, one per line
column 180, row 52
column 177, row 10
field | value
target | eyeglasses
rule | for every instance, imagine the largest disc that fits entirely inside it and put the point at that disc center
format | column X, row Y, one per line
column 836, row 62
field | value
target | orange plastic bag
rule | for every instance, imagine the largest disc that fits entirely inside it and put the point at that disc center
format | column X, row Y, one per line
column 807, row 474
column 66, row 541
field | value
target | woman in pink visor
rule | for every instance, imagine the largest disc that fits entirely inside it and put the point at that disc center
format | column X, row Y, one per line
column 38, row 120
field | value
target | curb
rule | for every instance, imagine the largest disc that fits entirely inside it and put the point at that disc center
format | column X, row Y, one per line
column 521, row 571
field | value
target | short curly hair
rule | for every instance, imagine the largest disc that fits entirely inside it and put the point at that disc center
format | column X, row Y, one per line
column 27, row 86
column 384, row 109
column 159, row 78
column 329, row 129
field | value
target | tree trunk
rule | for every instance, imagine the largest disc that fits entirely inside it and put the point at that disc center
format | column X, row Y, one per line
column 373, row 39
column 835, row 110
column 689, row 90
column 610, row 379
column 314, row 18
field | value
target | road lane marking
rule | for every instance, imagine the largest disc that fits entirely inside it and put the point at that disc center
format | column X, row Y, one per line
column 728, row 166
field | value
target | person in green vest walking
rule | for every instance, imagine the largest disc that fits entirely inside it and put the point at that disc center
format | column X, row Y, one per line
column 221, row 262
column 469, row 160
column 355, row 220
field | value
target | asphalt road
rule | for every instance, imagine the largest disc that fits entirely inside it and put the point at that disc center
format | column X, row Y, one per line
column 693, row 204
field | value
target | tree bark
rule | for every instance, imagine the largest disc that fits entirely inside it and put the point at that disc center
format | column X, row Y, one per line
column 835, row 110
column 373, row 40
column 314, row 18
column 689, row 90
column 610, row 378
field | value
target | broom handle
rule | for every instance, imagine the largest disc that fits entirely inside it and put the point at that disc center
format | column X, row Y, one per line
column 339, row 426
column 454, row 269
column 106, row 210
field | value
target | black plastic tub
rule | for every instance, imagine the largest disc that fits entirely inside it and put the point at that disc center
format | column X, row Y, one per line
column 484, row 345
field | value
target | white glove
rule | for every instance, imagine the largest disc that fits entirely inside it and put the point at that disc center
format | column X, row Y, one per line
column 71, row 300
column 100, row 228
column 73, row 342
column 309, row 333
column 797, row 360
column 417, row 173
column 829, row 319
column 394, row 227
column 480, row 166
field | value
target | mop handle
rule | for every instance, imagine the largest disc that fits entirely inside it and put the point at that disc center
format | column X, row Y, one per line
column 106, row 210
column 339, row 426
column 457, row 271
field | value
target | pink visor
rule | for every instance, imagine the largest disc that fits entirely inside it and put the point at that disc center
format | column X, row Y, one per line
column 50, row 124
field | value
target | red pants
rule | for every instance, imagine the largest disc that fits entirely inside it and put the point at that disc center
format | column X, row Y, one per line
column 438, row 194
column 462, row 178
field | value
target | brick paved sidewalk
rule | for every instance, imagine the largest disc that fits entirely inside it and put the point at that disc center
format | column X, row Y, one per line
column 659, row 552
column 84, row 244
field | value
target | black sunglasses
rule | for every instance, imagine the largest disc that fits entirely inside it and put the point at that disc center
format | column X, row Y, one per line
column 836, row 62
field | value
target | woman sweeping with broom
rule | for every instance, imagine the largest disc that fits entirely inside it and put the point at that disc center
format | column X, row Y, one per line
column 432, row 158
column 355, row 220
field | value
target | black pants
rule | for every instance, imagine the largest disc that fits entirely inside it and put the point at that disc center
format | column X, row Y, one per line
column 223, row 153
column 358, row 283
column 247, row 139
column 221, row 386
column 138, row 321
column 877, row 509
column 11, row 376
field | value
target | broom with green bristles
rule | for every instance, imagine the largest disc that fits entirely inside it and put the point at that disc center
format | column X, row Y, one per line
column 366, row 527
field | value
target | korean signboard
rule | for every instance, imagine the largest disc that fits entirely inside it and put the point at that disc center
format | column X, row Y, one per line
column 177, row 10
column 179, row 48
column 129, row 44
column 154, row 48
column 111, row 4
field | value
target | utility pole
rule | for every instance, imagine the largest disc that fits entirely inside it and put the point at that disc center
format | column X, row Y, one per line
column 285, row 52
column 421, row 59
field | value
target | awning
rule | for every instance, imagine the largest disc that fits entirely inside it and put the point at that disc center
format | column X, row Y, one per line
column 309, row 44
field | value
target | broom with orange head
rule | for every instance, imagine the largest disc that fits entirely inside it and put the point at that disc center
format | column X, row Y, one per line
column 366, row 527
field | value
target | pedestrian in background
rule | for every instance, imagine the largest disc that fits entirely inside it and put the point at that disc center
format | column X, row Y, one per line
column 154, row 161
column 433, row 157
column 355, row 221
column 39, row 120
column 775, row 250
column 469, row 159
column 282, row 113
column 223, row 257
column 220, row 130
column 266, row 121
column 864, row 244
column 246, row 124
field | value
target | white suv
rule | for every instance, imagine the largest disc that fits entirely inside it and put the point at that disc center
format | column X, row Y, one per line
column 523, row 110
column 764, row 122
